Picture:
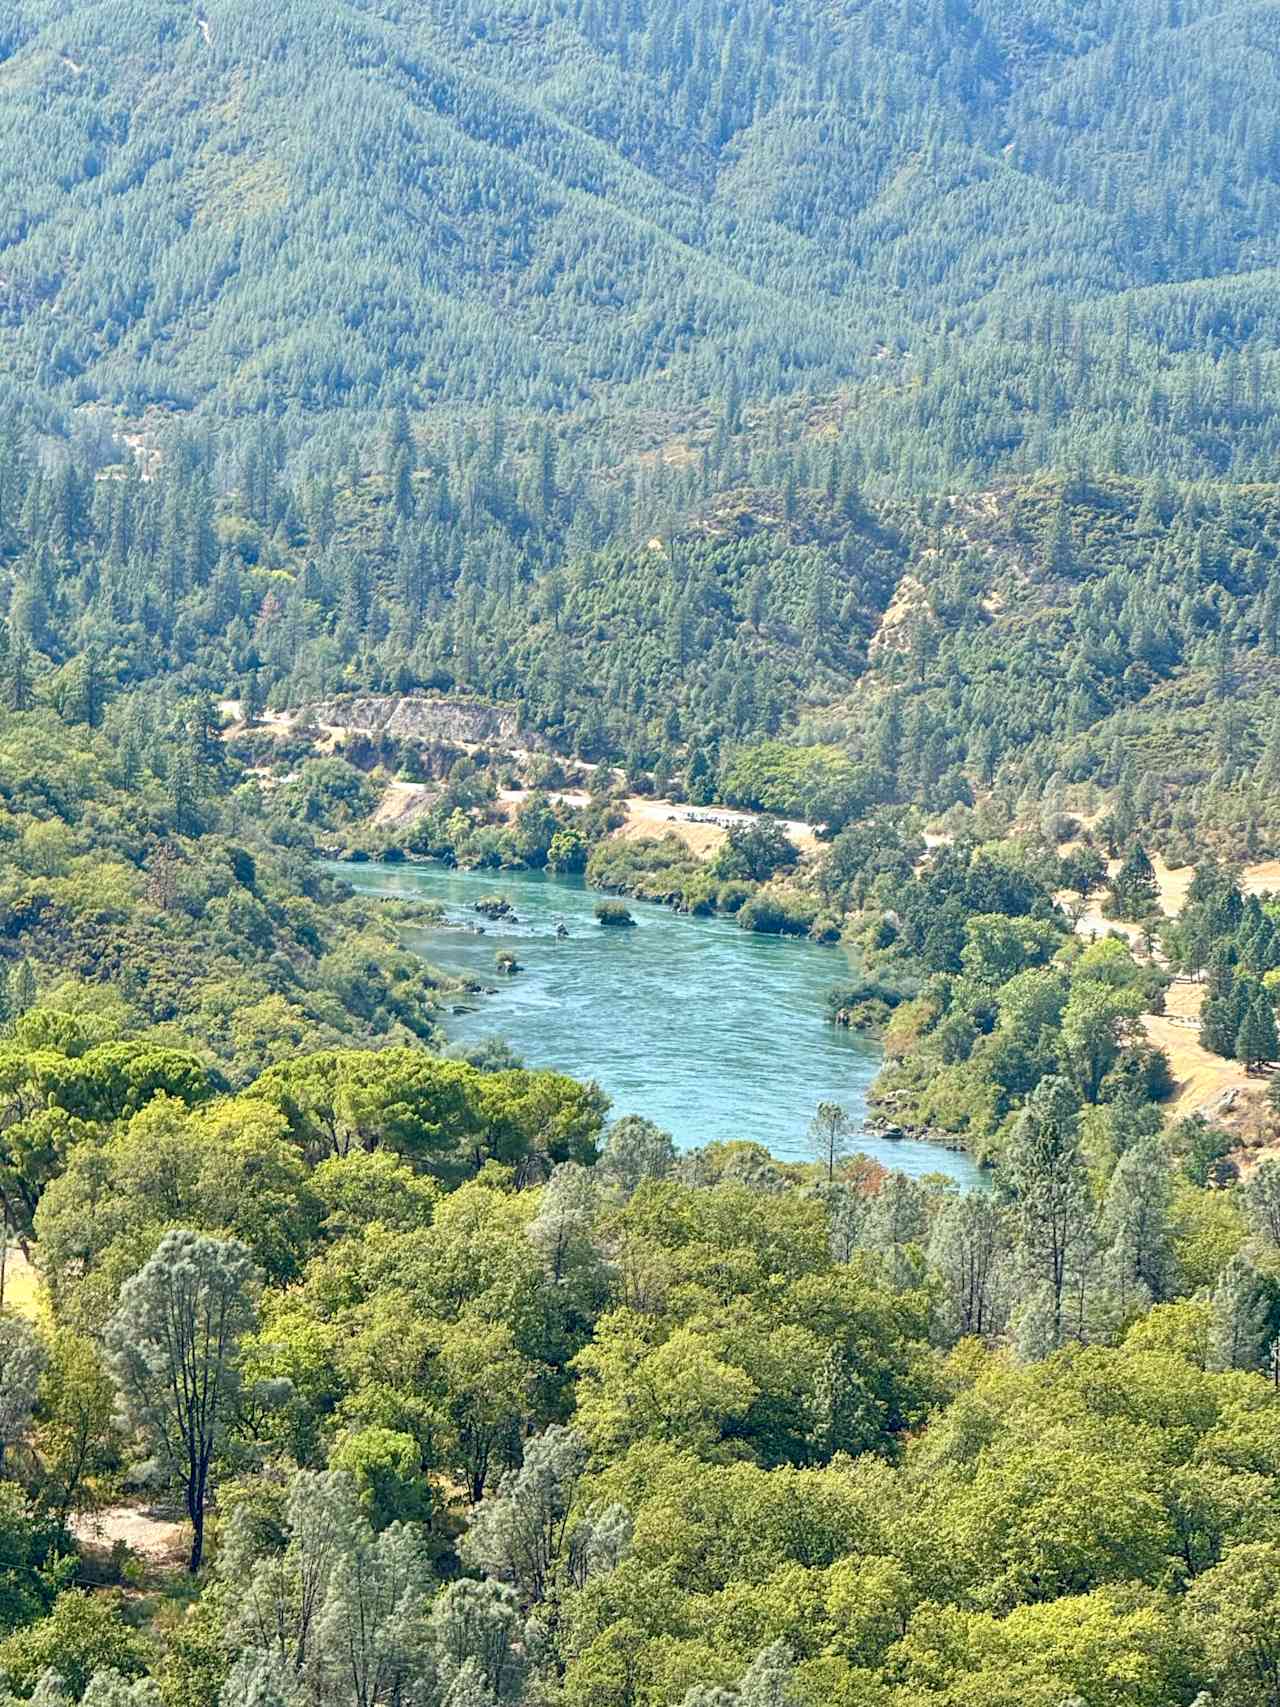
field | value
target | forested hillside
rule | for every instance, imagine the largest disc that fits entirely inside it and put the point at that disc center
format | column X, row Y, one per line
column 1064, row 632
column 468, row 1398
column 817, row 466
column 988, row 236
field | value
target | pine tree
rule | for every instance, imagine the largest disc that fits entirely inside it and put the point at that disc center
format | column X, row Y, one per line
column 817, row 608
column 202, row 738
column 399, row 439
column 252, row 698
column 1219, row 1026
column 21, row 692
column 758, row 598
column 1053, row 1203
column 1239, row 1317
column 1136, row 1228
column 829, row 1137
column 969, row 1248
column 1133, row 894
column 1221, row 980
column 1269, row 765
column 1256, row 1042
column 698, row 778
column 1262, row 1201
column 1058, row 546
column 184, row 792
column 22, row 988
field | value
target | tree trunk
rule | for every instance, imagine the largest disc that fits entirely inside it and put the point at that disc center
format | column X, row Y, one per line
column 197, row 1488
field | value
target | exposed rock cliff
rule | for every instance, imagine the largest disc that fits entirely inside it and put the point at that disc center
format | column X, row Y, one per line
column 415, row 717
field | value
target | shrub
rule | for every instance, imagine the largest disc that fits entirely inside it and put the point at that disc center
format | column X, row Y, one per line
column 826, row 928
column 700, row 895
column 613, row 914
column 731, row 895
column 83, row 1634
column 325, row 793
column 864, row 1005
column 493, row 906
column 656, row 868
column 776, row 915
column 755, row 850
column 387, row 1469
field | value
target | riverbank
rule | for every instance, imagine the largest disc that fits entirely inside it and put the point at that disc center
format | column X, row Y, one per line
column 890, row 1132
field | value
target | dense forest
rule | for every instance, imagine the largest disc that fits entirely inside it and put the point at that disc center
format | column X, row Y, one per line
column 429, row 432
column 1071, row 632
column 471, row 1389
column 472, row 1395
column 974, row 236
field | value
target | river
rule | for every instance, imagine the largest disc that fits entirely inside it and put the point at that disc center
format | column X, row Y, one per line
column 712, row 1031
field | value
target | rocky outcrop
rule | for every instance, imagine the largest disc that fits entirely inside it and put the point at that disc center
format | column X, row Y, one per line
column 413, row 717
column 1227, row 1102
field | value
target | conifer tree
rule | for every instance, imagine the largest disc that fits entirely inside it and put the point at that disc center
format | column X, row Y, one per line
column 1050, row 1187
column 22, row 989
column 1256, row 1042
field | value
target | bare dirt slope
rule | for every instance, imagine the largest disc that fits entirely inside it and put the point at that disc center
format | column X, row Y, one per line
column 21, row 1284
column 702, row 828
column 152, row 1535
column 1206, row 1082
column 402, row 803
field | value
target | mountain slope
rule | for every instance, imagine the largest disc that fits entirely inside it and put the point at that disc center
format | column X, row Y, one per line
column 979, row 225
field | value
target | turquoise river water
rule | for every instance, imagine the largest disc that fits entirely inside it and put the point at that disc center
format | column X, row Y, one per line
column 712, row 1031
